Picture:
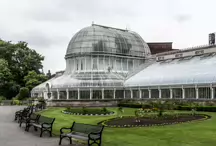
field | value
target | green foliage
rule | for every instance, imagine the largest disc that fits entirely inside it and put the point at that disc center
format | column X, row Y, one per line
column 131, row 105
column 120, row 111
column 16, row 60
column 16, row 102
column 2, row 98
column 33, row 79
column 85, row 110
column 198, row 108
column 23, row 94
column 104, row 109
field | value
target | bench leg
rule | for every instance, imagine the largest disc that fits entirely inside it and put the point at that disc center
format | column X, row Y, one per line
column 50, row 133
column 15, row 118
column 35, row 128
column 70, row 138
column 61, row 137
column 41, row 133
column 26, row 127
column 60, row 140
column 20, row 124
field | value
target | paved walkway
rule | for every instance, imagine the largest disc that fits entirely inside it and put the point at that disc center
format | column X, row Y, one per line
column 12, row 135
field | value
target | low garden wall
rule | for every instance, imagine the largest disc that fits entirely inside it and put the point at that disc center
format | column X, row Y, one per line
column 81, row 103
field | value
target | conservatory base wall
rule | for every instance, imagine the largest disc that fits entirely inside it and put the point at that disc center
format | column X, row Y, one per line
column 82, row 103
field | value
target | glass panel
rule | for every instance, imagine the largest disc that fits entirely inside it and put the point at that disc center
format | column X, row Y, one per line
column 177, row 93
column 85, row 94
column 130, row 64
column 54, row 95
column 101, row 63
column 190, row 93
column 165, row 93
column 145, row 93
column 118, row 64
column 73, row 94
column 204, row 93
column 119, row 94
column 135, row 93
column 97, row 94
column 154, row 93
column 127, row 94
column 108, row 94
column 124, row 64
column 88, row 63
column 62, row 95
column 95, row 63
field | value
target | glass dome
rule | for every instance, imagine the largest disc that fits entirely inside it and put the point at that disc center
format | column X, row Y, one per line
column 102, row 39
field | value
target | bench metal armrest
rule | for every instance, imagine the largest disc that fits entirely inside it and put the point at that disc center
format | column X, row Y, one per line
column 65, row 128
column 94, row 133
column 46, row 124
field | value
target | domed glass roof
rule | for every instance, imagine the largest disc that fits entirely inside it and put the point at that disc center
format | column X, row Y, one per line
column 97, row 38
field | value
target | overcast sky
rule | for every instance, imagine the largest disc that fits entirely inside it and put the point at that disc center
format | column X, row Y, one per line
column 48, row 25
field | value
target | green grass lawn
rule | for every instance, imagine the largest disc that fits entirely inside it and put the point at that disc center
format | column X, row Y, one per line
column 197, row 133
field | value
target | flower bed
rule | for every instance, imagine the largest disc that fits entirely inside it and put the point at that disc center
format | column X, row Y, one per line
column 88, row 111
column 149, row 121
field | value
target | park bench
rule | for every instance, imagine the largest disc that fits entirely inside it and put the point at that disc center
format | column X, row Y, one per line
column 30, row 118
column 43, row 123
column 90, row 133
column 18, row 113
column 24, row 114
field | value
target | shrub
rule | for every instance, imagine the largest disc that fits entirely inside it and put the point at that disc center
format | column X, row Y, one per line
column 2, row 98
column 198, row 108
column 104, row 109
column 23, row 93
column 131, row 105
column 16, row 102
column 85, row 110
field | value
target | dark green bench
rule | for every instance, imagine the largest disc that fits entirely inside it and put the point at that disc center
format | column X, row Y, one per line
column 31, row 117
column 18, row 113
column 43, row 123
column 90, row 133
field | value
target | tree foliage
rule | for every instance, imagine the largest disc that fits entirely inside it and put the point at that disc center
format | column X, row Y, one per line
column 23, row 93
column 16, row 61
column 33, row 79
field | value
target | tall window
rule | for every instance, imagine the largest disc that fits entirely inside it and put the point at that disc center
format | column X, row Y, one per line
column 81, row 65
column 95, row 65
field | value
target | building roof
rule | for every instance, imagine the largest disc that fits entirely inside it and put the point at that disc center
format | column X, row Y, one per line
column 182, row 71
column 103, row 39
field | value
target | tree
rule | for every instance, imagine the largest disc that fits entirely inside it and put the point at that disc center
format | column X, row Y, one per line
column 5, row 74
column 23, row 93
column 19, row 59
column 33, row 79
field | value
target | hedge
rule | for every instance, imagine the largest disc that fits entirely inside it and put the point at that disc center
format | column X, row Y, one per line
column 134, row 105
column 198, row 108
column 185, row 108
column 88, row 111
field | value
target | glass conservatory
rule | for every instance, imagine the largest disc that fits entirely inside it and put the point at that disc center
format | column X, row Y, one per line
column 104, row 63
column 98, row 60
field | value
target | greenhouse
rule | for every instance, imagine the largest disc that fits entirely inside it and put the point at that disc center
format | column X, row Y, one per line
column 105, row 63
